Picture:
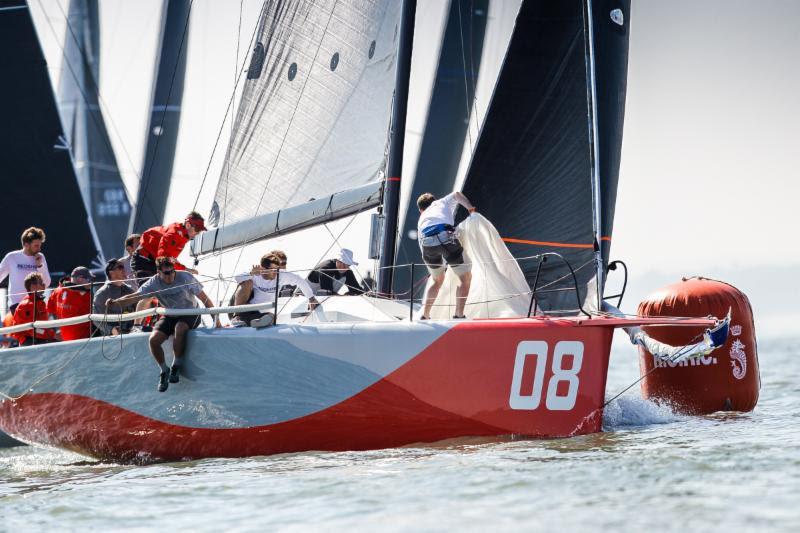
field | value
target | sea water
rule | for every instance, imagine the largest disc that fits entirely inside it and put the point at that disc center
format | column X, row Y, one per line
column 649, row 469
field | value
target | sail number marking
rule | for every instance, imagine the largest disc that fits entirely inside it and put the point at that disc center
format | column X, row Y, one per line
column 554, row 401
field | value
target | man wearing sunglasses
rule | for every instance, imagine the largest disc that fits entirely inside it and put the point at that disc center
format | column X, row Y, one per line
column 116, row 286
column 174, row 290
column 259, row 286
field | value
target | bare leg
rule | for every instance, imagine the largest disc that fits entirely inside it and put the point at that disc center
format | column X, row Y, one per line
column 156, row 340
column 179, row 342
column 462, row 291
column 431, row 293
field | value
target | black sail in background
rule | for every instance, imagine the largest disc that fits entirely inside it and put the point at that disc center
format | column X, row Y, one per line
column 447, row 122
column 165, row 115
column 39, row 184
column 532, row 170
column 95, row 164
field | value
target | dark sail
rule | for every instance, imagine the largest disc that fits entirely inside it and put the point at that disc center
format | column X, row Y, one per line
column 39, row 184
column 448, row 118
column 165, row 114
column 533, row 169
column 95, row 164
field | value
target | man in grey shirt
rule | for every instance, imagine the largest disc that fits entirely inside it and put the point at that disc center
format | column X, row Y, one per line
column 114, row 288
column 174, row 290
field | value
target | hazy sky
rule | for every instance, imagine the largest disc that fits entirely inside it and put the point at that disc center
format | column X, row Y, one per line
column 709, row 182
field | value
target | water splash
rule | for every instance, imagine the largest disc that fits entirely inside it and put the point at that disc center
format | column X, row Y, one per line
column 630, row 410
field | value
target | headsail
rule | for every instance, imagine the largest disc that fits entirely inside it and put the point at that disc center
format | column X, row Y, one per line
column 314, row 113
column 95, row 164
column 40, row 188
column 534, row 170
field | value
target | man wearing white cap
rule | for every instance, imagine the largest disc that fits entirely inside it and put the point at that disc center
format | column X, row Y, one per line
column 331, row 275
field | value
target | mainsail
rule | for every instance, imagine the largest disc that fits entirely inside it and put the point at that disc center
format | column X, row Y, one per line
column 313, row 119
column 95, row 164
column 546, row 165
column 40, row 188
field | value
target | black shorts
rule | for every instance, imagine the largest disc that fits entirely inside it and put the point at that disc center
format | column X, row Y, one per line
column 166, row 324
column 142, row 267
column 450, row 252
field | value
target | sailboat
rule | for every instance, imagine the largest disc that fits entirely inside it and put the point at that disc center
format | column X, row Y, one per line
column 318, row 136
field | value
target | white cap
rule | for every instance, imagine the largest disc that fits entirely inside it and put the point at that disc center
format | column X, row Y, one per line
column 346, row 257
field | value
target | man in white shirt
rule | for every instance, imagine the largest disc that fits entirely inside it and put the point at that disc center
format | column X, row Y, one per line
column 436, row 233
column 16, row 265
column 261, row 284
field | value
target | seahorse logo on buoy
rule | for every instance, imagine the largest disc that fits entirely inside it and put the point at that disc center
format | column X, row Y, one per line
column 738, row 359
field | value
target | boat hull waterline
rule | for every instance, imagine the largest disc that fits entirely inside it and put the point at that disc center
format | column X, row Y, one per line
column 292, row 388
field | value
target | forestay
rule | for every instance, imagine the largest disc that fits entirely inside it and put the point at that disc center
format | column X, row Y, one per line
column 314, row 115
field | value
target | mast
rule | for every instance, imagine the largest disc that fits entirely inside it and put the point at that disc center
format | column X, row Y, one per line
column 597, row 204
column 394, row 167
column 165, row 114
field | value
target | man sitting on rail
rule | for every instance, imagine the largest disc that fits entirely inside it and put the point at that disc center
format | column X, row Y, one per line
column 33, row 307
column 260, row 285
column 439, row 245
column 174, row 290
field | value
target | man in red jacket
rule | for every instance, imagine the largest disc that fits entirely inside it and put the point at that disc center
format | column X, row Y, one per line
column 31, row 308
column 73, row 299
column 165, row 241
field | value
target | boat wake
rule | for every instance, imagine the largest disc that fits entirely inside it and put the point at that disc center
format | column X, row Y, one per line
column 632, row 411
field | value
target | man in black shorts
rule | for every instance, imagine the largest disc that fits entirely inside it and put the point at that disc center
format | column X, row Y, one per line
column 174, row 290
column 439, row 246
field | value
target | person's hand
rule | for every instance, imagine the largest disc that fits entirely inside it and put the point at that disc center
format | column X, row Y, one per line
column 110, row 302
column 217, row 322
column 472, row 210
column 38, row 259
column 312, row 303
column 256, row 270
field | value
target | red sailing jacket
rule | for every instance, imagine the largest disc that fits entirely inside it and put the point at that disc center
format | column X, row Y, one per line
column 24, row 314
column 168, row 241
column 66, row 303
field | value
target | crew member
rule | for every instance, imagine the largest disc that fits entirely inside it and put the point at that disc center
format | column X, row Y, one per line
column 174, row 290
column 73, row 298
column 17, row 265
column 131, row 244
column 165, row 241
column 331, row 275
column 259, row 286
column 114, row 287
column 32, row 308
column 436, row 233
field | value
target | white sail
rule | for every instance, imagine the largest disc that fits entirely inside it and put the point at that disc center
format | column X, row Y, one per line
column 315, row 111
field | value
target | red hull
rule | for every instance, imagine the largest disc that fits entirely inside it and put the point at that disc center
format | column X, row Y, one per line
column 462, row 384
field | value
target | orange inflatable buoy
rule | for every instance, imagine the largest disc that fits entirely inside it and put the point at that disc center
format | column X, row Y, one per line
column 725, row 380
